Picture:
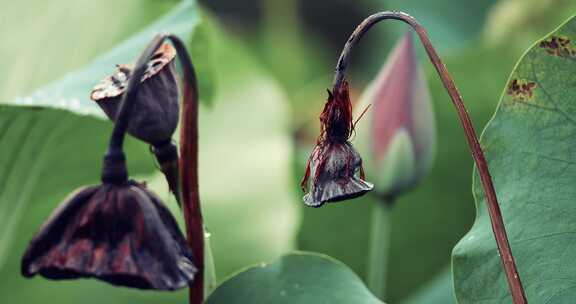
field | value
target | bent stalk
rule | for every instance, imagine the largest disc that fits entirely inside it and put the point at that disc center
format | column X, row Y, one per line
column 498, row 228
column 188, row 149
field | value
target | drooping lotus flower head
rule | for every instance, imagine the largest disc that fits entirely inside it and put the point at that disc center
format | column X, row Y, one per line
column 119, row 233
column 156, row 110
column 155, row 114
column 334, row 172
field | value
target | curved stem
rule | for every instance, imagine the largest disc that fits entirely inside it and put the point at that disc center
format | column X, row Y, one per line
column 498, row 228
column 189, row 169
column 188, row 149
column 114, row 165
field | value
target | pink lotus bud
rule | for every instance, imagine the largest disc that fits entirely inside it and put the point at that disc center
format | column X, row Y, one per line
column 398, row 134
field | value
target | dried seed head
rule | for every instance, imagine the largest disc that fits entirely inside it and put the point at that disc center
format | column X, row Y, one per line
column 337, row 174
column 121, row 234
column 156, row 110
column 335, row 167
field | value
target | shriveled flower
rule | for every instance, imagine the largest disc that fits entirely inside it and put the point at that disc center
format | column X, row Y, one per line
column 155, row 114
column 156, row 110
column 120, row 233
column 334, row 171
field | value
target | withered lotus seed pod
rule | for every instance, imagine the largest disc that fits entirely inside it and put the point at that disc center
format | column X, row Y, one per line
column 337, row 174
column 120, row 233
column 334, row 172
column 155, row 114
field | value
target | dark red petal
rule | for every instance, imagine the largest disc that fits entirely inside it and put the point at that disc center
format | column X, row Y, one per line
column 335, row 171
column 122, row 235
column 336, row 118
column 53, row 229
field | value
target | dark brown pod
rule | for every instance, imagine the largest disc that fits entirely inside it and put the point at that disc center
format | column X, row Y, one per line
column 336, row 169
column 156, row 110
column 334, row 172
column 118, row 233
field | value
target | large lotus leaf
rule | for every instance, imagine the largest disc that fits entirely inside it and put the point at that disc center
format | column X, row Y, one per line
column 438, row 290
column 43, row 40
column 529, row 146
column 303, row 278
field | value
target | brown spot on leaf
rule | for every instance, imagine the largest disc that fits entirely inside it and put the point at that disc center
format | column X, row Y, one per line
column 560, row 46
column 521, row 89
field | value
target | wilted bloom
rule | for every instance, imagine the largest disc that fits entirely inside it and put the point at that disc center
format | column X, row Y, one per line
column 155, row 114
column 400, row 135
column 334, row 172
column 120, row 233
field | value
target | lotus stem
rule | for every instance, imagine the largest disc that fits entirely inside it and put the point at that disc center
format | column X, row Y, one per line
column 498, row 228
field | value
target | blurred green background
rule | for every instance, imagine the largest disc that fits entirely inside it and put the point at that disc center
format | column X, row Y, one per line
column 270, row 62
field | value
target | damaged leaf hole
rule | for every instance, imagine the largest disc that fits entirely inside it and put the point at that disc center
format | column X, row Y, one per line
column 559, row 46
column 521, row 89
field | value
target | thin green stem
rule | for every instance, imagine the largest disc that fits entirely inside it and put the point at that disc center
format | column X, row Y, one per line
column 380, row 234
